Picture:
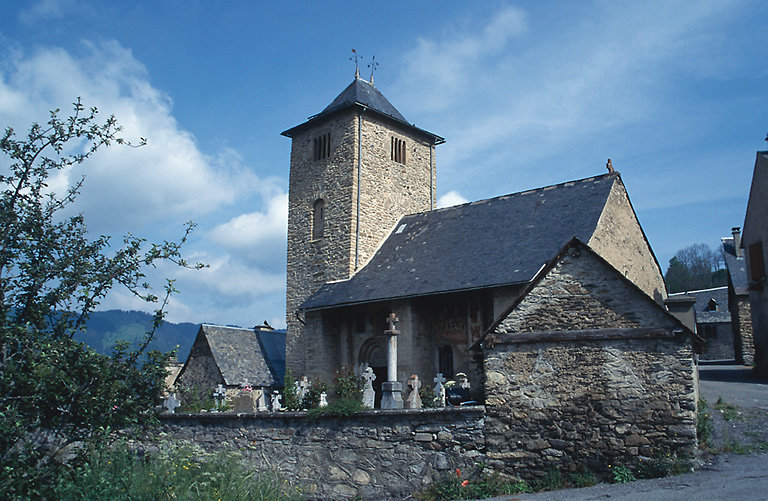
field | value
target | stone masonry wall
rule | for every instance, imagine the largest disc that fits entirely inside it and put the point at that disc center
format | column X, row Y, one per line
column 619, row 239
column 311, row 263
column 388, row 190
column 626, row 399
column 374, row 455
column 719, row 347
column 743, row 341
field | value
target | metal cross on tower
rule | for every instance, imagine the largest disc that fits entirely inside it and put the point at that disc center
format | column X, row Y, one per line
column 373, row 66
column 355, row 57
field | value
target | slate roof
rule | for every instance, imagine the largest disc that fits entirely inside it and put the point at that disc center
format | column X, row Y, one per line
column 499, row 241
column 737, row 268
column 702, row 297
column 239, row 354
column 363, row 94
column 273, row 344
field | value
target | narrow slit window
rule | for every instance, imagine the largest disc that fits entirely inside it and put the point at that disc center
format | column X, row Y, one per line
column 322, row 147
column 318, row 219
column 397, row 150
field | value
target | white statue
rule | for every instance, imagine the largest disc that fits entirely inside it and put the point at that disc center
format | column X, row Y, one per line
column 276, row 396
column 369, row 396
column 323, row 400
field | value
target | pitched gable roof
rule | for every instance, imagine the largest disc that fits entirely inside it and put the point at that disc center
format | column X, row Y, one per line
column 239, row 355
column 737, row 268
column 495, row 242
column 364, row 95
column 703, row 297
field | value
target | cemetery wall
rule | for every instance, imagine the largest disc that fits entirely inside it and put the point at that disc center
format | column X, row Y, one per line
column 373, row 454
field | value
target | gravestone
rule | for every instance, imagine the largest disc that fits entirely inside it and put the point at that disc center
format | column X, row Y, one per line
column 171, row 403
column 413, row 400
column 219, row 395
column 243, row 402
column 261, row 399
column 439, row 389
column 369, row 395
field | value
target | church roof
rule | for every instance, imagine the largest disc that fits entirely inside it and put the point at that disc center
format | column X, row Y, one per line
column 495, row 242
column 363, row 94
column 239, row 355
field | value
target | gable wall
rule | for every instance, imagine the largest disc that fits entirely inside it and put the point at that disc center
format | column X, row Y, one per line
column 201, row 369
column 580, row 292
column 619, row 239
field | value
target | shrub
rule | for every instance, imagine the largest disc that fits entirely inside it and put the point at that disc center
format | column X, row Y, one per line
column 620, row 474
column 478, row 484
column 584, row 478
column 291, row 400
column 703, row 424
column 173, row 472
column 195, row 398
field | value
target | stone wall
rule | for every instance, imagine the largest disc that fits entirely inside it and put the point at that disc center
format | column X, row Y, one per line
column 720, row 345
column 627, row 398
column 743, row 341
column 619, row 239
column 375, row 455
column 387, row 190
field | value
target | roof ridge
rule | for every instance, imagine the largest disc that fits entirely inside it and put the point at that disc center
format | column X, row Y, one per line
column 523, row 192
column 699, row 290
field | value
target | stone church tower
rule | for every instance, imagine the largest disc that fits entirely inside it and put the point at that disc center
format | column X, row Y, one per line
column 357, row 167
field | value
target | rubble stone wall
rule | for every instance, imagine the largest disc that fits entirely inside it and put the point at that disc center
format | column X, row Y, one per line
column 744, row 343
column 627, row 399
column 374, row 454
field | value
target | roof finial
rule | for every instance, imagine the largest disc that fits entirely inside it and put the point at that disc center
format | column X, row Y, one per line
column 373, row 66
column 354, row 58
column 609, row 166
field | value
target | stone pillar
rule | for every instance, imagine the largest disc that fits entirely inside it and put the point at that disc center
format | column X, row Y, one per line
column 391, row 390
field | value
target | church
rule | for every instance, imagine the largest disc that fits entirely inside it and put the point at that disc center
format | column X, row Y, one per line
column 366, row 240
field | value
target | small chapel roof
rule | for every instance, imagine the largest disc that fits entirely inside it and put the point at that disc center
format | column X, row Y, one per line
column 240, row 355
column 488, row 243
column 363, row 94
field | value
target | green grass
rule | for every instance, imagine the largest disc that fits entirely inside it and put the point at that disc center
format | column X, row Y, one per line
column 704, row 427
column 174, row 472
column 729, row 411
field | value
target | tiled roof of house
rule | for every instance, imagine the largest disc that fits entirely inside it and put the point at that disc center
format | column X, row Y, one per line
column 494, row 242
column 703, row 298
column 737, row 268
column 240, row 355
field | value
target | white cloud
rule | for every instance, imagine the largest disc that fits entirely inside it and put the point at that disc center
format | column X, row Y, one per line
column 152, row 190
column 451, row 198
column 45, row 10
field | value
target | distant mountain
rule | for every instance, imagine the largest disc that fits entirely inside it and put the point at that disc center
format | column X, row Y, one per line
column 105, row 328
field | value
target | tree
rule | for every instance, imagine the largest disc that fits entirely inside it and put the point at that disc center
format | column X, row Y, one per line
column 53, row 390
column 694, row 267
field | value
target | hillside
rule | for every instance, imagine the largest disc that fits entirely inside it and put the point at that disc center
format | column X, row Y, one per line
column 105, row 328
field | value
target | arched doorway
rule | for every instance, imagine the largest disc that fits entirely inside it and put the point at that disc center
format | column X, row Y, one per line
column 373, row 355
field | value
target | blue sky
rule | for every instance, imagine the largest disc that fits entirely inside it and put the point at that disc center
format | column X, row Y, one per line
column 526, row 94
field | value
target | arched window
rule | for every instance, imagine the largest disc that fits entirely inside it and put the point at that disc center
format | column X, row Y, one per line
column 318, row 218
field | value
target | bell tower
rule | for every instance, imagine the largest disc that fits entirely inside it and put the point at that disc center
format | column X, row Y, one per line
column 357, row 167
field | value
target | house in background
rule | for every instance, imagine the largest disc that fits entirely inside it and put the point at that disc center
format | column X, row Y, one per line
column 232, row 356
column 713, row 322
column 738, row 298
column 754, row 244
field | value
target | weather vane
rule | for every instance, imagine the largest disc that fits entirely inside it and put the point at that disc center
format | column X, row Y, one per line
column 354, row 58
column 373, row 66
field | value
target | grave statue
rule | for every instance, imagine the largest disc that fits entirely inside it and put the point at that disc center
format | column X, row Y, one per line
column 413, row 401
column 276, row 396
column 323, row 400
column 369, row 396
column 439, row 390
column 302, row 388
column 171, row 403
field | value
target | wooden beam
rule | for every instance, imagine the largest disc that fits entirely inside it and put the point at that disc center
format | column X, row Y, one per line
column 581, row 335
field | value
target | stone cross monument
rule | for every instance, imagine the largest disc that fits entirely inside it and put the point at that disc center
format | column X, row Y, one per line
column 369, row 395
column 391, row 389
